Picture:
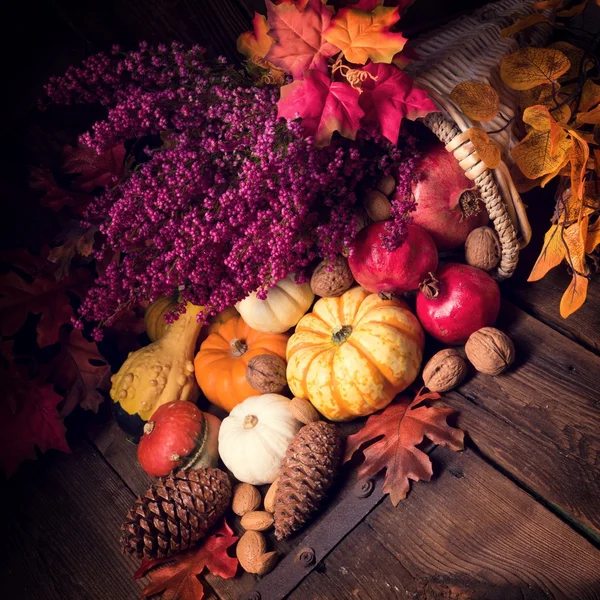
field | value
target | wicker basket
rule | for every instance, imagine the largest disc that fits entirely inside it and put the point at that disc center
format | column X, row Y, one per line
column 470, row 48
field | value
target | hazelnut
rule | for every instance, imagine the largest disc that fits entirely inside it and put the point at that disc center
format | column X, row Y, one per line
column 490, row 350
column 386, row 185
column 378, row 207
column 266, row 373
column 445, row 370
column 331, row 279
column 483, row 249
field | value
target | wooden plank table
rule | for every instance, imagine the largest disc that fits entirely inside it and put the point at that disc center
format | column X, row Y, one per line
column 516, row 515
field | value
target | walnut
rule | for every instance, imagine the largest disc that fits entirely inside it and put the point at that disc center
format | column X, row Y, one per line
column 331, row 279
column 378, row 207
column 490, row 350
column 266, row 373
column 386, row 185
column 483, row 249
column 445, row 370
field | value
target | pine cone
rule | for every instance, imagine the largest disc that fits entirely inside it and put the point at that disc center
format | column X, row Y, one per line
column 307, row 472
column 175, row 512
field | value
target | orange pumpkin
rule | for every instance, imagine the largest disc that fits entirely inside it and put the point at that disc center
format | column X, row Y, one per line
column 224, row 355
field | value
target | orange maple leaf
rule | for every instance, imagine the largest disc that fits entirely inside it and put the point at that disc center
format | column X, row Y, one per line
column 365, row 35
column 178, row 578
column 394, row 434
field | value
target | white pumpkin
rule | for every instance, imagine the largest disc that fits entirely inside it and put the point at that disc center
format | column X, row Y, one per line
column 283, row 307
column 254, row 438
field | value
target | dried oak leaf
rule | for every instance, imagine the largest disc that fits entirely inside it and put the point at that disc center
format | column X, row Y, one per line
column 44, row 296
column 394, row 434
column 82, row 371
column 28, row 417
column 299, row 35
column 56, row 197
column 76, row 241
column 179, row 579
column 365, row 35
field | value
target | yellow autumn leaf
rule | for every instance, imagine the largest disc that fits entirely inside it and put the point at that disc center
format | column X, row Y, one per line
column 574, row 295
column 591, row 117
column 551, row 255
column 593, row 238
column 522, row 183
column 573, row 11
column 580, row 152
column 479, row 101
column 542, row 94
column 546, row 4
column 528, row 67
column 524, row 23
column 571, row 209
column 575, row 56
column 590, row 96
column 488, row 150
column 574, row 238
column 533, row 154
column 558, row 171
column 540, row 119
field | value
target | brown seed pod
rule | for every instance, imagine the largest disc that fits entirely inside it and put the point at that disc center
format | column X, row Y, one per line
column 386, row 185
column 483, row 249
column 445, row 370
column 490, row 350
column 246, row 498
column 331, row 279
column 266, row 373
column 303, row 411
column 378, row 207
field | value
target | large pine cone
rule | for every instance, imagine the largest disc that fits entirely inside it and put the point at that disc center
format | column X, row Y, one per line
column 175, row 512
column 307, row 472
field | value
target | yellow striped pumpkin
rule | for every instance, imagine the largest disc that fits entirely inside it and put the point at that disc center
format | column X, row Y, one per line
column 353, row 354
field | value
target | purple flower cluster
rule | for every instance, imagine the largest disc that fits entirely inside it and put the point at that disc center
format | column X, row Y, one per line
column 234, row 199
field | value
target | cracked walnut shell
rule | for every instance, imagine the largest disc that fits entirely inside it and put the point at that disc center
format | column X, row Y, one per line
column 445, row 370
column 490, row 350
column 330, row 280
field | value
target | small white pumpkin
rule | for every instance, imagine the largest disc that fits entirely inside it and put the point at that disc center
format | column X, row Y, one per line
column 283, row 307
column 255, row 436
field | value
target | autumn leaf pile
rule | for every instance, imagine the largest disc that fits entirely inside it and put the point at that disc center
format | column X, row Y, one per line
column 47, row 367
column 559, row 103
column 345, row 66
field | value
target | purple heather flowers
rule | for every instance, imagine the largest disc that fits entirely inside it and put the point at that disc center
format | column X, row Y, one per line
column 234, row 199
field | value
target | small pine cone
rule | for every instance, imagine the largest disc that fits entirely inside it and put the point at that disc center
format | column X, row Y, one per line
column 175, row 512
column 307, row 472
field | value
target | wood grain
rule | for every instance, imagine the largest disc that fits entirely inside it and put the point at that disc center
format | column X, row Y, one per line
column 562, row 480
column 61, row 523
column 551, row 391
column 474, row 533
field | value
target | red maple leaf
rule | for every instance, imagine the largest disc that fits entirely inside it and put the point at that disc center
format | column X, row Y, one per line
column 44, row 296
column 391, row 97
column 28, row 416
column 301, row 45
column 299, row 4
column 178, row 579
column 394, row 435
column 56, row 197
column 82, row 371
column 323, row 105
column 94, row 170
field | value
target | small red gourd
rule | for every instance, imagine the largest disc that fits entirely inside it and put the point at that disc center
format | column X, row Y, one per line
column 179, row 435
column 392, row 271
column 456, row 302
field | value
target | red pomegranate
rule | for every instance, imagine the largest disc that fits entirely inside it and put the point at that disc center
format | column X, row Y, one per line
column 458, row 301
column 444, row 210
column 397, row 271
column 179, row 435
